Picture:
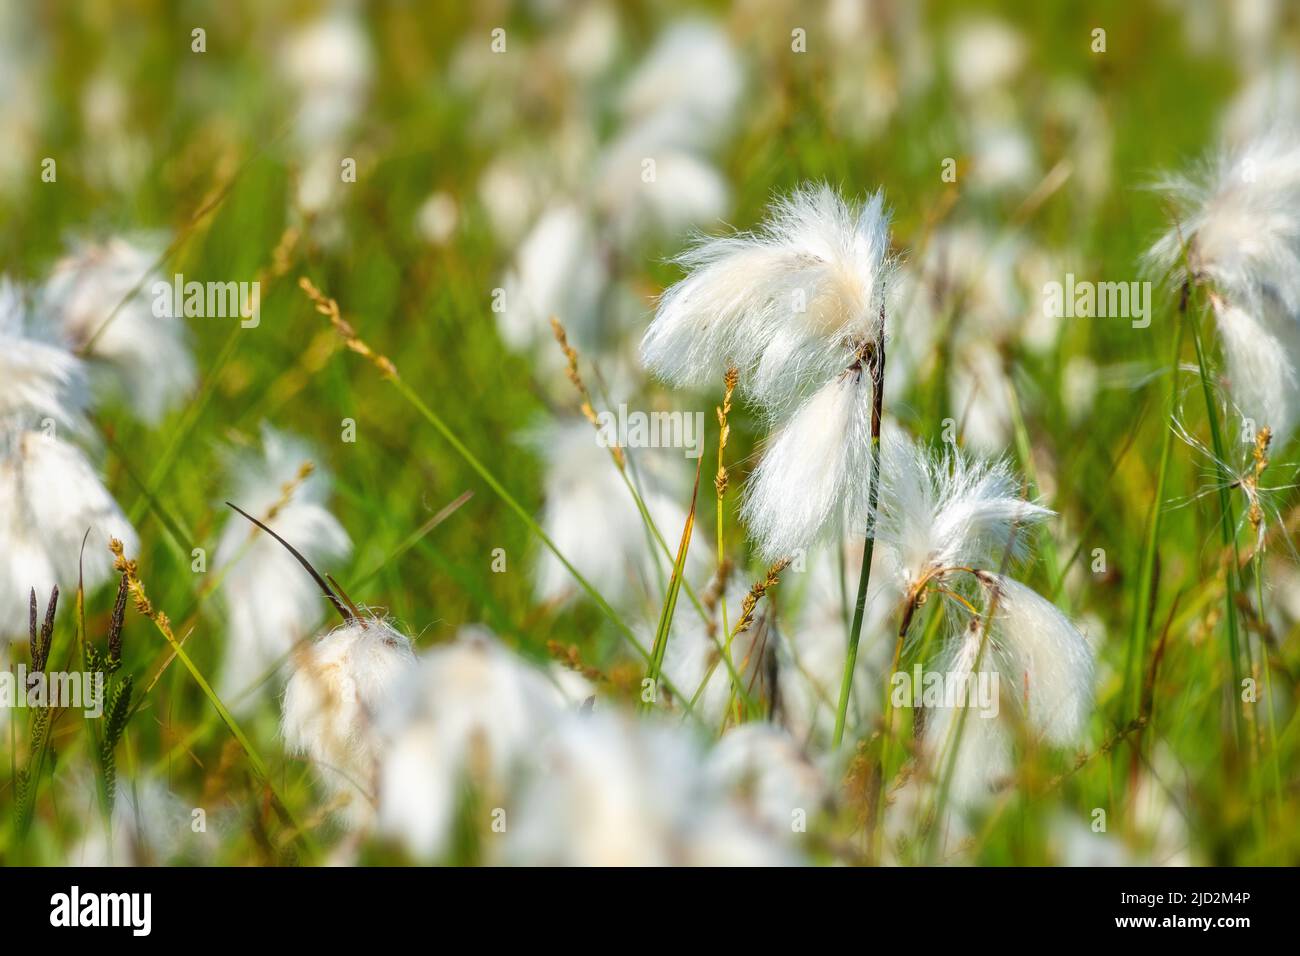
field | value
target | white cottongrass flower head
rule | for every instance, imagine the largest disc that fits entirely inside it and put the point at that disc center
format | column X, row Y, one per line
column 1238, row 230
column 607, row 790
column 950, row 525
column 270, row 605
column 338, row 684
column 100, row 299
column 54, row 500
column 946, row 513
column 789, row 305
column 463, row 717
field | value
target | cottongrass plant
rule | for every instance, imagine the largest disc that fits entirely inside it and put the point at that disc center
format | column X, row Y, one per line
column 798, row 308
column 1236, row 235
column 1237, row 231
column 951, row 527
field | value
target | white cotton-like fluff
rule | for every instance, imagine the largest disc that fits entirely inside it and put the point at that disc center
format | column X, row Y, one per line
column 469, row 711
column 591, row 517
column 328, row 62
column 338, row 684
column 1048, row 660
column 692, row 651
column 143, row 357
column 1261, row 349
column 1240, row 219
column 693, row 74
column 978, row 392
column 949, row 510
column 815, row 472
column 1002, row 155
column 685, row 191
column 41, row 379
column 983, row 758
column 766, row 773
column 607, row 790
column 53, row 497
column 270, row 602
column 788, row 304
column 558, row 272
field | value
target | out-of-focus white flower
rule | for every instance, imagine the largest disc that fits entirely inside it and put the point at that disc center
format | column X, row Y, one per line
column 338, row 684
column 648, row 184
column 1002, row 156
column 42, row 380
column 53, row 497
column 1271, row 98
column 1080, row 381
column 558, row 271
column 693, row 73
column 1240, row 223
column 152, row 826
column 328, row 62
column 606, row 790
column 1261, row 350
column 767, row 775
column 509, row 196
column 270, row 603
column 1240, row 220
column 463, row 717
column 100, row 299
column 592, row 41
column 814, row 473
column 978, row 386
column 788, row 305
column 984, row 53
column 593, row 520
column 437, row 218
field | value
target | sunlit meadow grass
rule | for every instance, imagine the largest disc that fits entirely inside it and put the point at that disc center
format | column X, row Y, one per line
column 216, row 178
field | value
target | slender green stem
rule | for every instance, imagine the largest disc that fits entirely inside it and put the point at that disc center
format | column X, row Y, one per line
column 877, row 368
column 1228, row 528
column 1147, row 567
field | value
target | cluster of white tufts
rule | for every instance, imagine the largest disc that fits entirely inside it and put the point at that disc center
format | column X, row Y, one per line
column 89, row 324
column 950, row 527
column 578, row 211
column 797, row 307
column 1238, row 231
column 470, row 734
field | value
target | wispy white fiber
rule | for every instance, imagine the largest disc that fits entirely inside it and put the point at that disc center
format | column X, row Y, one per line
column 814, row 472
column 788, row 304
column 338, row 684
